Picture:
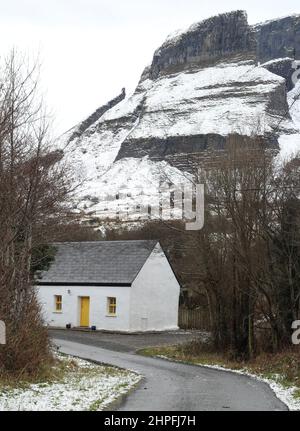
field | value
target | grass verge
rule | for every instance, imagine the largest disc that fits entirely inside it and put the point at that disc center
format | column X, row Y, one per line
column 50, row 372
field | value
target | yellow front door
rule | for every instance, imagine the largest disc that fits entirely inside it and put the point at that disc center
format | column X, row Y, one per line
column 85, row 311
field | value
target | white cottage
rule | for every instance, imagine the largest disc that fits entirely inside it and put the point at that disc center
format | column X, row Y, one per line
column 112, row 285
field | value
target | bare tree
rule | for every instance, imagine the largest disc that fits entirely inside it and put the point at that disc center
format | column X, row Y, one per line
column 249, row 251
column 34, row 186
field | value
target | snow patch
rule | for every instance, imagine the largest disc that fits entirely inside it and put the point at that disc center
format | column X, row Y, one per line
column 289, row 147
column 136, row 182
column 276, row 61
column 210, row 101
column 290, row 143
column 99, row 387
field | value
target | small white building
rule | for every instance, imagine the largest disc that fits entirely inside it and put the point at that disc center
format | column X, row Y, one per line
column 112, row 285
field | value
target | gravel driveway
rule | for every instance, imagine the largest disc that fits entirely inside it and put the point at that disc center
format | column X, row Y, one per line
column 125, row 342
column 168, row 385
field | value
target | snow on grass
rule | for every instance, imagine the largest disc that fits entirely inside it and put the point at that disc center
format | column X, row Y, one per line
column 86, row 386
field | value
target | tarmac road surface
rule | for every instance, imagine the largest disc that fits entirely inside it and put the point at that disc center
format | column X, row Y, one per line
column 172, row 386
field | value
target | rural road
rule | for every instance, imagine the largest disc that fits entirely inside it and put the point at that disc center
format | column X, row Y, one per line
column 173, row 386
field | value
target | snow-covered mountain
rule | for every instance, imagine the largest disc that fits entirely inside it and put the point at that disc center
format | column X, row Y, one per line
column 218, row 77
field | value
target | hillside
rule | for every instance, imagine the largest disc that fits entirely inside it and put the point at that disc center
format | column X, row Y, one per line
column 219, row 77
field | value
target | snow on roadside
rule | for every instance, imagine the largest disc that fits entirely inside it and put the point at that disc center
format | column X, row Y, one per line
column 284, row 394
column 91, row 387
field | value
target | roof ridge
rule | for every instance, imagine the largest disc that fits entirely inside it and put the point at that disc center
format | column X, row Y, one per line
column 105, row 241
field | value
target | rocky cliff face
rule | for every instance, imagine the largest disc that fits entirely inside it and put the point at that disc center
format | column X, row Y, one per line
column 217, row 78
column 282, row 67
column 225, row 37
column 278, row 38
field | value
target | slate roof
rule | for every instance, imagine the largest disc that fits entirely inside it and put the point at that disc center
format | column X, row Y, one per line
column 97, row 262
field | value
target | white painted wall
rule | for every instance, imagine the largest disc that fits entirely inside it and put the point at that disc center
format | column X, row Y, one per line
column 150, row 304
column 154, row 298
column 98, row 306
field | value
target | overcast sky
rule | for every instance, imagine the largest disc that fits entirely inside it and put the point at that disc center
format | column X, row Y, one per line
column 90, row 49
